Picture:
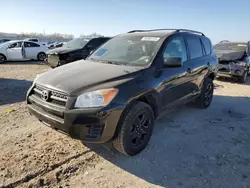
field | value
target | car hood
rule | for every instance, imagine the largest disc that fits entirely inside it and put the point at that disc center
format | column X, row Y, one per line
column 81, row 75
column 62, row 50
column 228, row 55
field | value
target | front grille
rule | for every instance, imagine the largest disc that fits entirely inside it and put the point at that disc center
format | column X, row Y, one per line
column 224, row 70
column 52, row 96
column 224, row 62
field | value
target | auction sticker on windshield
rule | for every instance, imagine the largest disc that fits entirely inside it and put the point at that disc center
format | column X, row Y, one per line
column 155, row 39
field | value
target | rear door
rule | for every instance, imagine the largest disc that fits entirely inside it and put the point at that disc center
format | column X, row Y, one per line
column 31, row 50
column 14, row 51
column 199, row 61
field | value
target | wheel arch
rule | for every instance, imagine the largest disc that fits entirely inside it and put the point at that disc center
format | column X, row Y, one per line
column 40, row 53
column 211, row 75
column 152, row 98
column 4, row 56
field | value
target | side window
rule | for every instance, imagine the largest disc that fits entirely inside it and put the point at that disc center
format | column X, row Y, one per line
column 34, row 40
column 194, row 46
column 207, row 45
column 94, row 43
column 13, row 45
column 30, row 45
column 176, row 47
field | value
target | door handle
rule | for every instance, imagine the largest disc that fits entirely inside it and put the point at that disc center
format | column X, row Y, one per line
column 189, row 70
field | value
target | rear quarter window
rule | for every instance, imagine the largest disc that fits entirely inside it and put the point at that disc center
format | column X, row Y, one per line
column 194, row 47
column 207, row 45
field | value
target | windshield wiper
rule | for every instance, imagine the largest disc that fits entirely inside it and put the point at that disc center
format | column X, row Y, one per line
column 112, row 62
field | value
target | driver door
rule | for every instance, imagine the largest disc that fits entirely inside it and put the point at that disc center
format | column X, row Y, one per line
column 175, row 85
column 14, row 51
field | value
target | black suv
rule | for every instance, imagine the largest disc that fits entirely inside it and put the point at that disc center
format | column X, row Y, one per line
column 125, row 85
column 234, row 59
column 74, row 50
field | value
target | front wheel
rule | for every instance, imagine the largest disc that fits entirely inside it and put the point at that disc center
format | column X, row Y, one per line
column 2, row 59
column 206, row 96
column 41, row 56
column 243, row 78
column 136, row 129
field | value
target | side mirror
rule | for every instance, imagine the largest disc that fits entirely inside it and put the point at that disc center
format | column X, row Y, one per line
column 173, row 62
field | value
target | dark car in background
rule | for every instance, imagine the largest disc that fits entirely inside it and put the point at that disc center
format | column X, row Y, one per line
column 125, row 85
column 234, row 59
column 74, row 50
column 4, row 40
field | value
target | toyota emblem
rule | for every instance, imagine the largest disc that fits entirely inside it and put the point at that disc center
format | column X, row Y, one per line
column 45, row 95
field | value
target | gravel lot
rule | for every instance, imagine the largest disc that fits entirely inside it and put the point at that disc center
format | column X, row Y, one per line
column 189, row 148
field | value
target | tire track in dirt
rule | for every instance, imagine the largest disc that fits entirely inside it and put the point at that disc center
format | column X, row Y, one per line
column 29, row 177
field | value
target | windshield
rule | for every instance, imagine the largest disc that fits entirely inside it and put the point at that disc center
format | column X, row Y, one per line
column 128, row 50
column 239, row 47
column 77, row 43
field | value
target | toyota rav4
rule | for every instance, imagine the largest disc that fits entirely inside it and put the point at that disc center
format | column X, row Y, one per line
column 125, row 85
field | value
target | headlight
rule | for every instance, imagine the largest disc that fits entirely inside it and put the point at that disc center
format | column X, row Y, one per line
column 96, row 98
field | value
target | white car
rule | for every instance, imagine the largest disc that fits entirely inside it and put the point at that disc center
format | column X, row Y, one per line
column 21, row 50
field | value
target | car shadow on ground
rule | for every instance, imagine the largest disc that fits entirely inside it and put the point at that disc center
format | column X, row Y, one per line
column 194, row 148
column 25, row 62
column 13, row 90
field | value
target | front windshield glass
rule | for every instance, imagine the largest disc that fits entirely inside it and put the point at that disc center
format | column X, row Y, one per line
column 77, row 43
column 239, row 47
column 128, row 50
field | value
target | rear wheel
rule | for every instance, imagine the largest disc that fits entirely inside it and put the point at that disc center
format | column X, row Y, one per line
column 206, row 96
column 136, row 129
column 2, row 58
column 41, row 56
column 243, row 78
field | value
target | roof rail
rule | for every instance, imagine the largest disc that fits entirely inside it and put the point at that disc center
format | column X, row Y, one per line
column 224, row 41
column 176, row 30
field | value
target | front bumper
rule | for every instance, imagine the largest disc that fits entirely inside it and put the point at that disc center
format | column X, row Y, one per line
column 230, row 71
column 89, row 125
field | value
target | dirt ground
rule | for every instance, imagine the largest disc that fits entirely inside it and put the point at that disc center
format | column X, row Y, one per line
column 189, row 148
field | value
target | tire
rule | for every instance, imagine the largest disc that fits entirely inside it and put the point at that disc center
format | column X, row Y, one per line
column 2, row 59
column 243, row 78
column 41, row 56
column 136, row 129
column 206, row 96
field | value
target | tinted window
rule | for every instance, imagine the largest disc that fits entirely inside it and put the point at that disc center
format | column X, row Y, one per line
column 194, row 46
column 30, row 45
column 94, row 43
column 176, row 47
column 207, row 46
column 16, row 45
column 34, row 40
